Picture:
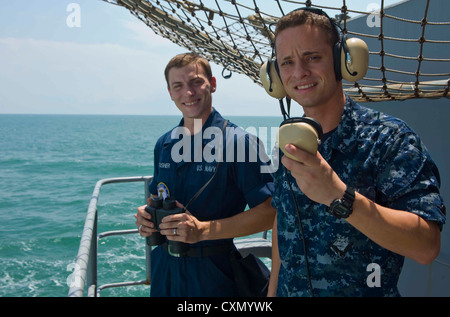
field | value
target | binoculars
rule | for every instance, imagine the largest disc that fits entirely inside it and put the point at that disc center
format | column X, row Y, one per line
column 158, row 209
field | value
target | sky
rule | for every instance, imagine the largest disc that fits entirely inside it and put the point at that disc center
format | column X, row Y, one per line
column 111, row 63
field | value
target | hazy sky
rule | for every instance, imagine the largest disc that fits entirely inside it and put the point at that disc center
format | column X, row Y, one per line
column 111, row 64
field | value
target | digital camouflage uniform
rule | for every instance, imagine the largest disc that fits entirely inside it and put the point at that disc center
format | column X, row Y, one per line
column 384, row 160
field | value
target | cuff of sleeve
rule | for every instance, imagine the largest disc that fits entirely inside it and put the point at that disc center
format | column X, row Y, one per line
column 259, row 194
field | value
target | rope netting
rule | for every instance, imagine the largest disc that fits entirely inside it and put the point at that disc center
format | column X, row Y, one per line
column 408, row 43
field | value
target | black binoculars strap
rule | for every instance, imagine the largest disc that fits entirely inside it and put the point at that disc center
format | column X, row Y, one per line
column 212, row 177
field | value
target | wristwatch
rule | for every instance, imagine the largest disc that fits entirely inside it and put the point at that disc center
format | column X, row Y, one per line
column 343, row 208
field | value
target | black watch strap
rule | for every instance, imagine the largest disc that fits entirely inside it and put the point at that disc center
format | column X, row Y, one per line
column 343, row 208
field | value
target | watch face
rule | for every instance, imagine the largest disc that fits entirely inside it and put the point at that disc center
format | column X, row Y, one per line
column 341, row 211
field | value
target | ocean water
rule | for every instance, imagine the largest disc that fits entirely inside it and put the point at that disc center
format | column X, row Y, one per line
column 49, row 165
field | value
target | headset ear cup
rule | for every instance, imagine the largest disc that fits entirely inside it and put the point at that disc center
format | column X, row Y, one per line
column 354, row 67
column 337, row 49
column 305, row 133
column 315, row 124
column 271, row 80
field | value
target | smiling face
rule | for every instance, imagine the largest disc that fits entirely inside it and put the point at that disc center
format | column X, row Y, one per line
column 191, row 90
column 305, row 59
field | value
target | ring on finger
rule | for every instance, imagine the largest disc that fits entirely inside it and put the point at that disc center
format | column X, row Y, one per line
column 174, row 231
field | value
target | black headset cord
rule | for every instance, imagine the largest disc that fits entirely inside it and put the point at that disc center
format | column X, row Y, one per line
column 302, row 233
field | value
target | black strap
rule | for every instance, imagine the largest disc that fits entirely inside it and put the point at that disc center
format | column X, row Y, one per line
column 204, row 251
column 215, row 172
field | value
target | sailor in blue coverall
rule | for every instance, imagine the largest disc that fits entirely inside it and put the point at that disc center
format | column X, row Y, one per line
column 217, row 215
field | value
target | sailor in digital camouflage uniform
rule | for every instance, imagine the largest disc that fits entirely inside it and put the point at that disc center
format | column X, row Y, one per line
column 397, row 210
